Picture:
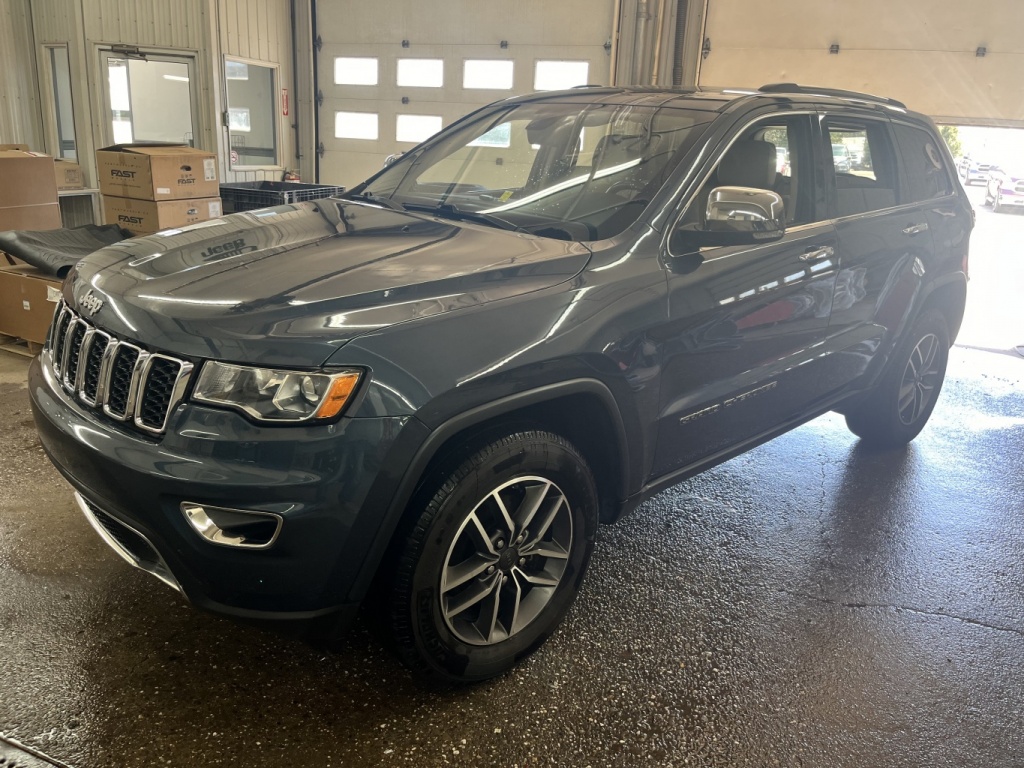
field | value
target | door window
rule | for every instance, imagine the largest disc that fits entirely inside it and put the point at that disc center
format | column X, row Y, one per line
column 864, row 165
column 252, row 114
column 149, row 99
column 64, row 118
column 927, row 176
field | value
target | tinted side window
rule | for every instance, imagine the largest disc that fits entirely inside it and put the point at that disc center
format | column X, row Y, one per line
column 865, row 165
column 927, row 177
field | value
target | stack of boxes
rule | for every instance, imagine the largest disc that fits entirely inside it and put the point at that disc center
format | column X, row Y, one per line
column 148, row 188
column 28, row 201
column 28, row 190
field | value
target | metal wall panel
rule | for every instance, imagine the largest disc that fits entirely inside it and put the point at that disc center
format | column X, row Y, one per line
column 20, row 121
column 160, row 24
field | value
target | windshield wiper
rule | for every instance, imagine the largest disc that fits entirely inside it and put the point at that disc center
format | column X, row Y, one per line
column 369, row 197
column 447, row 210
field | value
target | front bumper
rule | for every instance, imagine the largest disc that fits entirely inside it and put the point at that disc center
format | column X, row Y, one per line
column 324, row 481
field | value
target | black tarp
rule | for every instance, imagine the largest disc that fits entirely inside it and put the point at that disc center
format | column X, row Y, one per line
column 56, row 251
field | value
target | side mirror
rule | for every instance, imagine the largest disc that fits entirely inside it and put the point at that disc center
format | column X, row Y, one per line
column 735, row 216
column 754, row 215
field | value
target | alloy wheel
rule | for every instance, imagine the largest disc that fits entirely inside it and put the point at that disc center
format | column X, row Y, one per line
column 506, row 561
column 920, row 378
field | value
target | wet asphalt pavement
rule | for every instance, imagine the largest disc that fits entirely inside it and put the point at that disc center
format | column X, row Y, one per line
column 808, row 604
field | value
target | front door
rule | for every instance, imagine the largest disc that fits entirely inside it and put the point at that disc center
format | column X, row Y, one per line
column 746, row 323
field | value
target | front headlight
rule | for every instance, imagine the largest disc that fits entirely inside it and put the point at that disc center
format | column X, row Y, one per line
column 268, row 394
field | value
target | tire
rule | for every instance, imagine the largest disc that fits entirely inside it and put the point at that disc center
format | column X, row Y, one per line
column 462, row 545
column 899, row 407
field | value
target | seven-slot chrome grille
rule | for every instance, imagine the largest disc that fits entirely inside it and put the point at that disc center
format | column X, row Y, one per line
column 124, row 381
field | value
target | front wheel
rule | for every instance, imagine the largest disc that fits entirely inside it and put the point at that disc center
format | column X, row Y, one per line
column 896, row 412
column 490, row 565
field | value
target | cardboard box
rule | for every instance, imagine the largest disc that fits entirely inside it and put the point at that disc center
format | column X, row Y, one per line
column 28, row 191
column 144, row 217
column 18, row 147
column 27, row 300
column 157, row 172
column 68, row 174
column 32, row 218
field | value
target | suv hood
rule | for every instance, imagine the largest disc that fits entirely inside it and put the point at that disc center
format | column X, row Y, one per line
column 287, row 286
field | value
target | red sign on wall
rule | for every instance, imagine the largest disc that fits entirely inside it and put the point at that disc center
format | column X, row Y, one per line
column 284, row 102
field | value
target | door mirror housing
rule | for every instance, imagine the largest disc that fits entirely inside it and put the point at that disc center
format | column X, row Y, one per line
column 737, row 216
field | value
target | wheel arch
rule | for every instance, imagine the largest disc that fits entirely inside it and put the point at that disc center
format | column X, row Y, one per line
column 949, row 297
column 583, row 411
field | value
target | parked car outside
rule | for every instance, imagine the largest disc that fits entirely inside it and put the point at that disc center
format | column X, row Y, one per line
column 972, row 171
column 1005, row 190
column 425, row 395
column 841, row 158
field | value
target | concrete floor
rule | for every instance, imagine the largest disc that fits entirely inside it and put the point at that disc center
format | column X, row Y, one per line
column 808, row 604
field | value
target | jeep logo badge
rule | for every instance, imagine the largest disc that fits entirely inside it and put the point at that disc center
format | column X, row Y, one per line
column 90, row 303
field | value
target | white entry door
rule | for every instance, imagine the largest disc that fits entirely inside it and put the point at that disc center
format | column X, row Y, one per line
column 392, row 75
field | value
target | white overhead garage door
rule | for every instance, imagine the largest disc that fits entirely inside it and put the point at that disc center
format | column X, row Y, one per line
column 394, row 73
column 922, row 52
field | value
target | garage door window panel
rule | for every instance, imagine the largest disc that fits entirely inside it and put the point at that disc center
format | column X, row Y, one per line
column 356, row 125
column 421, row 73
column 864, row 166
column 355, row 70
column 492, row 74
column 559, row 75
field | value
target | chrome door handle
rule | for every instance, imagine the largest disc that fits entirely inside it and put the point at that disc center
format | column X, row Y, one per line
column 817, row 254
column 915, row 229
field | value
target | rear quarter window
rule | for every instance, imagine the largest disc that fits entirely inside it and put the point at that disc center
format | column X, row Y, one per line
column 927, row 177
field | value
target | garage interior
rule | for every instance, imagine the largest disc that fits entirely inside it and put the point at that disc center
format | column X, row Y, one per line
column 811, row 602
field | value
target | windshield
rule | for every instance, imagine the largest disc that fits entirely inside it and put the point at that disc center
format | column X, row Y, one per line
column 567, row 171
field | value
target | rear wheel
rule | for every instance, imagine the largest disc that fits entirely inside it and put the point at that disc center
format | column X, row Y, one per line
column 896, row 412
column 489, row 567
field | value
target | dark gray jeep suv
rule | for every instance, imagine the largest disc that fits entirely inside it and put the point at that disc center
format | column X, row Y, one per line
column 431, row 390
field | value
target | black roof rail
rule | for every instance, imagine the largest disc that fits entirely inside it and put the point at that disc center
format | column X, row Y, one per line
column 810, row 89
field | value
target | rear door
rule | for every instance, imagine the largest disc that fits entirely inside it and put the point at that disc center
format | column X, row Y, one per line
column 746, row 323
column 392, row 75
column 885, row 240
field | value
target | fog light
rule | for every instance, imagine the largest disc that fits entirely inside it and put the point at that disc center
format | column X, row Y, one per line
column 233, row 527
